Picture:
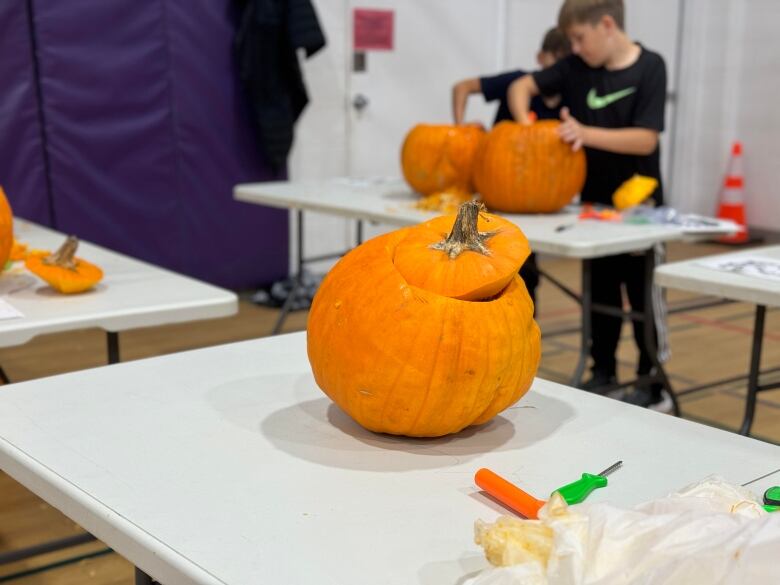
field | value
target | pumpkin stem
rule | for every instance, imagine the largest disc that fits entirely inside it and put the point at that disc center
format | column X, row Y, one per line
column 465, row 235
column 64, row 257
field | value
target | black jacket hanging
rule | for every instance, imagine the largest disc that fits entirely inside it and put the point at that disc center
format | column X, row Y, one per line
column 269, row 35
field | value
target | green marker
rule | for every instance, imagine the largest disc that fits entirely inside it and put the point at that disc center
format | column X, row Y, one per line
column 575, row 493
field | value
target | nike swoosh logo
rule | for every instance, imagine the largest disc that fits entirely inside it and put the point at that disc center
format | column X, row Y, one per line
column 596, row 102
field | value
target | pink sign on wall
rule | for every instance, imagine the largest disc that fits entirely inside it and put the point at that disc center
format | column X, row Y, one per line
column 373, row 29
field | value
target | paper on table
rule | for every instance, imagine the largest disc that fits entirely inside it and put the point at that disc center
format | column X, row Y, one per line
column 8, row 311
column 755, row 266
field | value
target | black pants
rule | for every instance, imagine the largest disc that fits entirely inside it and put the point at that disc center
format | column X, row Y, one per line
column 530, row 275
column 609, row 275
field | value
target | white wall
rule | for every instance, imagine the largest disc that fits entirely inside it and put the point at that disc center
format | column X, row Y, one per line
column 729, row 77
column 729, row 87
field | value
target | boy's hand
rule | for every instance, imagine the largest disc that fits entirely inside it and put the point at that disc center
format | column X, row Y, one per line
column 571, row 131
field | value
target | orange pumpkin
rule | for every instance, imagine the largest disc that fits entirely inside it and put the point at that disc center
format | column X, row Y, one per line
column 6, row 229
column 397, row 350
column 62, row 270
column 528, row 169
column 440, row 158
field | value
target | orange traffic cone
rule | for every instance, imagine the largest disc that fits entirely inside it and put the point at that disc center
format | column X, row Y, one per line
column 732, row 198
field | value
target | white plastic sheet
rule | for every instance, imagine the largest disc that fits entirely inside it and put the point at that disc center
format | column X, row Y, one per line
column 710, row 532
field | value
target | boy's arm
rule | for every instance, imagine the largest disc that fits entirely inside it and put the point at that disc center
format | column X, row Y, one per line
column 519, row 98
column 636, row 141
column 460, row 93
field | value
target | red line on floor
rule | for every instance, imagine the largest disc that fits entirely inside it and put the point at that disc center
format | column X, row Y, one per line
column 718, row 324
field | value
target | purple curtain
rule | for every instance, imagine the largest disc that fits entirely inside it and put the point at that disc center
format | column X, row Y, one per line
column 146, row 130
column 22, row 166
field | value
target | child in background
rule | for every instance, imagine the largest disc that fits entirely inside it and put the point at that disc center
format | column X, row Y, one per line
column 615, row 93
column 555, row 46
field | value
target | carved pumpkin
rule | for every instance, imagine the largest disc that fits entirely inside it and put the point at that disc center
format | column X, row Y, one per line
column 440, row 158
column 394, row 347
column 6, row 229
column 528, row 169
column 62, row 270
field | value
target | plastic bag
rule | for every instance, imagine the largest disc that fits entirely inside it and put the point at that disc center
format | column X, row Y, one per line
column 709, row 532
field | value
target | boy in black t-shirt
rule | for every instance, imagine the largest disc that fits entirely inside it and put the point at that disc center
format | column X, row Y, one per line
column 555, row 46
column 615, row 91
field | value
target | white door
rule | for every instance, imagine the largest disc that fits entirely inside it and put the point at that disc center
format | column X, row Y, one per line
column 436, row 43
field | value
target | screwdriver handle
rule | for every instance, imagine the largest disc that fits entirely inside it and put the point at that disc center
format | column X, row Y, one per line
column 576, row 492
column 508, row 494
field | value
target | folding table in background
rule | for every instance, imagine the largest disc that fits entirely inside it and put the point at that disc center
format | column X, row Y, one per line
column 389, row 201
column 750, row 277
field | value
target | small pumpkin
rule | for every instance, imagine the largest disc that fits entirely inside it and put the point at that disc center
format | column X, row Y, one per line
column 6, row 229
column 528, row 169
column 427, row 330
column 62, row 270
column 437, row 158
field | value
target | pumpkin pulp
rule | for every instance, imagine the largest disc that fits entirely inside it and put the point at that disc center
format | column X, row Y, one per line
column 476, row 261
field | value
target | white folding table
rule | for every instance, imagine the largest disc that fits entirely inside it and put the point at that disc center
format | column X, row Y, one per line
column 227, row 465
column 693, row 276
column 132, row 294
column 561, row 234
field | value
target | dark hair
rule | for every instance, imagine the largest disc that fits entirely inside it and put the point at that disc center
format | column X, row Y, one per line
column 556, row 42
column 590, row 12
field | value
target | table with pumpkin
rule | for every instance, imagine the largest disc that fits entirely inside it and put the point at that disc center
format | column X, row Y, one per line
column 228, row 465
column 525, row 173
column 58, row 288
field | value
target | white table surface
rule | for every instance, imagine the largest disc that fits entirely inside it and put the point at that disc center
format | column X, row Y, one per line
column 132, row 294
column 228, row 465
column 690, row 276
column 391, row 202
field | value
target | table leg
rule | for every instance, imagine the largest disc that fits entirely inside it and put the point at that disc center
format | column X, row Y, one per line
column 287, row 306
column 4, row 377
column 142, row 578
column 755, row 364
column 112, row 341
column 650, row 335
column 359, row 232
column 586, row 301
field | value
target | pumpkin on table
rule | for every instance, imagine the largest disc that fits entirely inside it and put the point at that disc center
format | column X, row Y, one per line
column 428, row 329
column 528, row 169
column 62, row 270
column 440, row 158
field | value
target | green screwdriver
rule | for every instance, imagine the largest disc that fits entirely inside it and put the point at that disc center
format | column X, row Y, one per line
column 576, row 492
column 772, row 499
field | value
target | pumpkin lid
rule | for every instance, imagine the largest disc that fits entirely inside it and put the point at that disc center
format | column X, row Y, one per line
column 472, row 256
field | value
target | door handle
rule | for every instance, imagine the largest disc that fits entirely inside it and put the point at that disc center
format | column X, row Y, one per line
column 360, row 102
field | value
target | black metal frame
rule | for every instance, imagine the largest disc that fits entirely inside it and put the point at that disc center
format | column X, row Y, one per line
column 300, row 261
column 585, row 300
column 754, row 385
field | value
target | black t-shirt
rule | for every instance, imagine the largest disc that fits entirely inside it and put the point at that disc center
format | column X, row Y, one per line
column 495, row 87
column 633, row 97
